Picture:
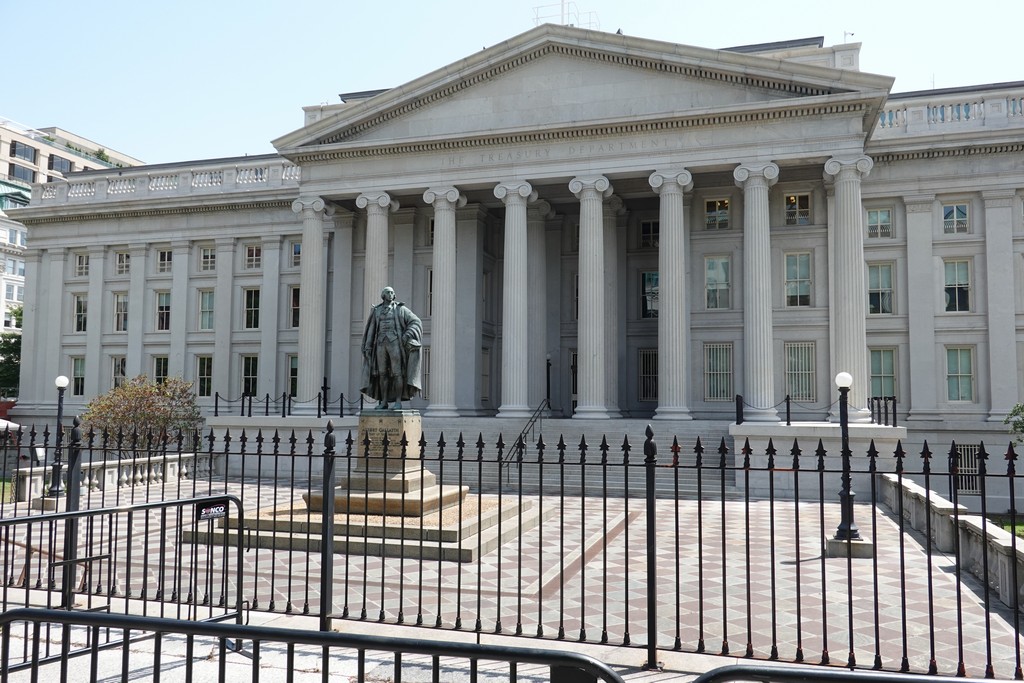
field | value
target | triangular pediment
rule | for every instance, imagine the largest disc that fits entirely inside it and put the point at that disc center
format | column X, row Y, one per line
column 560, row 78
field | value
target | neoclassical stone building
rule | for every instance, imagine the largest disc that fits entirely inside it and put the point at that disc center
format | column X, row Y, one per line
column 632, row 227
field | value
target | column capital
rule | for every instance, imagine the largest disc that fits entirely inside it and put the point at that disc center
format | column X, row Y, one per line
column 661, row 180
column 919, row 203
column 861, row 165
column 615, row 206
column 998, row 198
column 507, row 191
column 449, row 194
column 598, row 184
column 745, row 172
column 303, row 203
column 541, row 209
column 377, row 199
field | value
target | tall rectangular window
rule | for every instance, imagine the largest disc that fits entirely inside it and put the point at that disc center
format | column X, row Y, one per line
column 293, row 317
column 485, row 375
column 718, row 384
column 716, row 214
column 955, row 218
column 163, row 260
column 880, row 223
column 650, row 232
column 293, row 375
column 204, row 375
column 880, row 288
column 425, row 367
column 798, row 279
column 960, row 373
column 78, row 376
column 163, row 311
column 253, row 256
column 122, row 263
column 207, row 259
column 120, row 313
column 81, row 306
column 117, row 371
column 16, row 267
column 296, row 254
column 205, row 309
column 81, row 265
column 250, row 374
column 958, row 285
column 717, row 287
column 798, row 209
column 430, row 233
column 252, row 309
column 647, row 374
column 160, row 366
column 430, row 291
column 800, row 378
column 648, row 294
column 883, row 372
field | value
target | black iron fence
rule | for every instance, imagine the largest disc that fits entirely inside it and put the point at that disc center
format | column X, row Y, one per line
column 882, row 409
column 43, row 646
column 647, row 543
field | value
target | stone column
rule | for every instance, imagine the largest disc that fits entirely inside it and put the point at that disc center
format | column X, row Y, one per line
column 139, row 314
column 922, row 266
column 181, row 250
column 343, row 376
column 591, row 401
column 270, row 307
column 849, row 308
column 375, row 269
column 1002, row 309
column 316, row 215
column 95, row 370
column 673, row 327
column 51, row 334
column 32, row 387
column 614, row 339
column 515, row 367
column 758, row 368
column 537, row 215
column 445, row 201
column 226, row 308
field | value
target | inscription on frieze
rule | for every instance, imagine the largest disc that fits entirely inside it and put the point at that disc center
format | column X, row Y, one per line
column 555, row 152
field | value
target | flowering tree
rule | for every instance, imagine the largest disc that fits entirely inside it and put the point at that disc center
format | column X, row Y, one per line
column 1015, row 418
column 142, row 406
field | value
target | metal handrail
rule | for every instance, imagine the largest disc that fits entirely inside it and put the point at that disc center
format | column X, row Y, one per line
column 323, row 639
column 520, row 443
column 768, row 673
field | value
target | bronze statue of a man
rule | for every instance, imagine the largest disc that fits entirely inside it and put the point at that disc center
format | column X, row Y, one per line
column 391, row 353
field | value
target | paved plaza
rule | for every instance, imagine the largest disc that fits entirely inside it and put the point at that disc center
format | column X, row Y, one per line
column 739, row 579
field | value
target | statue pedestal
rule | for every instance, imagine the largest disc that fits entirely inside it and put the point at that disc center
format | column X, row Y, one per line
column 388, row 478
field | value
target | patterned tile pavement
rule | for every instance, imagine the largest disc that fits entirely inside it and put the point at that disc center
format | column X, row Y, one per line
column 731, row 579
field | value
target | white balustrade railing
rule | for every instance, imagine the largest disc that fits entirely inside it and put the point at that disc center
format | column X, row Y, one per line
column 163, row 183
column 923, row 116
column 160, row 469
column 130, row 183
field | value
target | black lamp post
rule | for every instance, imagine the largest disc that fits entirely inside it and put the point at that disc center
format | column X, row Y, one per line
column 548, row 380
column 847, row 529
column 55, row 484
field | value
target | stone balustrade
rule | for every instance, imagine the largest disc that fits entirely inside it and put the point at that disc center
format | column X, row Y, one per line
column 33, row 481
column 252, row 174
column 951, row 112
column 983, row 545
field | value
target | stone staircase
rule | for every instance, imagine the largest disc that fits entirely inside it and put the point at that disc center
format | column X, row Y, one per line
column 482, row 470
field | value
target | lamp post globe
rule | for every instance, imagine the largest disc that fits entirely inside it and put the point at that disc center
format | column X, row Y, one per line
column 61, row 382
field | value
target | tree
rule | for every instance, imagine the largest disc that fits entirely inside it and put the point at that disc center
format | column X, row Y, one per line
column 10, row 356
column 143, row 406
column 1015, row 418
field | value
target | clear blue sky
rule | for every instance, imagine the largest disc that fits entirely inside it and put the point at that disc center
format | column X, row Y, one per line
column 191, row 79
